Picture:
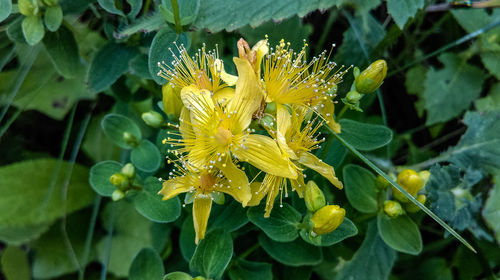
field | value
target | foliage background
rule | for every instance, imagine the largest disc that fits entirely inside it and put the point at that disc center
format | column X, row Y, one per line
column 441, row 100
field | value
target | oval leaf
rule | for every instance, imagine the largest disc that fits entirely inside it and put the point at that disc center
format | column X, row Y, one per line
column 53, row 17
column 147, row 265
column 213, row 254
column 296, row 253
column 5, row 9
column 150, row 204
column 177, row 275
column 281, row 226
column 146, row 156
column 186, row 239
column 360, row 188
column 363, row 136
column 159, row 50
column 99, row 176
column 229, row 217
column 242, row 269
column 188, row 10
column 114, row 125
column 109, row 63
column 345, row 230
column 63, row 51
column 400, row 233
column 33, row 29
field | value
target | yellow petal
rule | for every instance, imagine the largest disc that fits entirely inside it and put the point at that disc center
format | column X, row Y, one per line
column 172, row 103
column 283, row 124
column 185, row 127
column 175, row 186
column 201, row 212
column 199, row 103
column 263, row 153
column 257, row 194
column 247, row 97
column 260, row 49
column 239, row 187
column 229, row 79
column 319, row 166
column 326, row 109
column 223, row 96
column 271, row 184
column 298, row 185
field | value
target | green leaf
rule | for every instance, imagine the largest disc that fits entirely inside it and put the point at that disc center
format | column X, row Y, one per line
column 435, row 268
column 479, row 147
column 491, row 211
column 131, row 233
column 150, row 204
column 31, row 196
column 147, row 23
column 295, row 253
column 63, row 52
column 213, row 254
column 115, row 125
column 246, row 270
column 147, row 265
column 33, row 29
column 139, row 66
column 109, row 63
column 18, row 235
column 52, row 257
column 372, row 261
column 450, row 90
column 491, row 102
column 360, row 188
column 414, row 82
column 229, row 217
column 15, row 31
column 400, row 233
column 53, row 17
column 177, row 275
column 401, row 11
column 110, row 6
column 188, row 10
column 216, row 15
column 281, row 226
column 14, row 263
column 5, row 9
column 186, row 239
column 363, row 136
column 100, row 174
column 345, row 230
column 159, row 52
column 96, row 145
column 146, row 156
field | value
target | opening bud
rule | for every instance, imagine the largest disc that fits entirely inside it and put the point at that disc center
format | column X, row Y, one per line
column 327, row 219
column 128, row 170
column 153, row 119
column 117, row 195
column 314, row 197
column 410, row 181
column 119, row 180
column 412, row 208
column 372, row 77
column 393, row 208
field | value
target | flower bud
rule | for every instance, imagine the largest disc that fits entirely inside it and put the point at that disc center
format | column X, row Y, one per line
column 327, row 219
column 425, row 175
column 393, row 208
column 172, row 103
column 153, row 119
column 267, row 121
column 314, row 197
column 50, row 3
column 381, row 183
column 28, row 7
column 130, row 139
column 410, row 181
column 128, row 170
column 117, row 195
column 372, row 77
column 412, row 208
column 353, row 97
column 119, row 180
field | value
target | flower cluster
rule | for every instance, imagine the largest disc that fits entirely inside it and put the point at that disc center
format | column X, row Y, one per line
column 268, row 116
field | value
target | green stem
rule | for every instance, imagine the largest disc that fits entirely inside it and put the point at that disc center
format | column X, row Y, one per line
column 90, row 234
column 146, row 7
column 448, row 46
column 342, row 112
column 250, row 250
column 402, row 190
column 177, row 17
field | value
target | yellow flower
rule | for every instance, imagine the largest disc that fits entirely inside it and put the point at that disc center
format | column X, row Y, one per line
column 213, row 130
column 327, row 219
column 290, row 79
column 203, row 184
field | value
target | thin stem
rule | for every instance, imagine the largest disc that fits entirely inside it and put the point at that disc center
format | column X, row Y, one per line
column 342, row 112
column 146, row 7
column 109, row 239
column 90, row 235
column 448, row 46
column 177, row 17
column 250, row 250
column 331, row 19
column 402, row 190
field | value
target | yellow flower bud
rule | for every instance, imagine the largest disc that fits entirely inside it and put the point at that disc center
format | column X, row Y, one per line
column 128, row 170
column 28, row 7
column 117, row 195
column 372, row 77
column 172, row 103
column 314, row 197
column 410, row 181
column 153, row 119
column 327, row 219
column 393, row 208
column 425, row 175
column 381, row 183
column 412, row 208
column 119, row 180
